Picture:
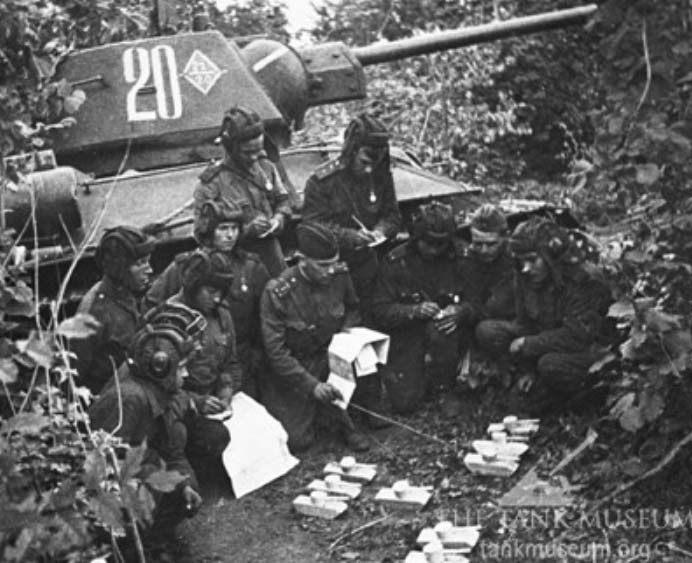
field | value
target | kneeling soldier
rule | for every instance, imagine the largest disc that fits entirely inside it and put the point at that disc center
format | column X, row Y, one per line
column 301, row 310
column 153, row 409
column 418, row 301
column 562, row 303
column 123, row 256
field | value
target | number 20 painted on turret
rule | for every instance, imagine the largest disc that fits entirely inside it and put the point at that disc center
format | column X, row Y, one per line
column 160, row 63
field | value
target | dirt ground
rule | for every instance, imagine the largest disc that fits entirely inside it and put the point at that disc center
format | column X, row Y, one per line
column 262, row 528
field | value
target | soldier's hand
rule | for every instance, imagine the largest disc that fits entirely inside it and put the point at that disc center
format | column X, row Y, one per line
column 526, row 382
column 517, row 345
column 356, row 238
column 192, row 499
column 327, row 393
column 259, row 225
column 213, row 405
column 426, row 310
column 447, row 320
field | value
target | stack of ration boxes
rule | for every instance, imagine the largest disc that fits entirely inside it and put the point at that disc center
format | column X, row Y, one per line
column 342, row 482
column 444, row 543
column 500, row 455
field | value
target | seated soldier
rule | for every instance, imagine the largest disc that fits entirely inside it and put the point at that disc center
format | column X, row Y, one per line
column 123, row 256
column 218, row 228
column 562, row 302
column 214, row 371
column 301, row 310
column 147, row 405
column 418, row 302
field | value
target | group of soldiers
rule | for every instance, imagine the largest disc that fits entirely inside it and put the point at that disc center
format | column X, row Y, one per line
column 230, row 315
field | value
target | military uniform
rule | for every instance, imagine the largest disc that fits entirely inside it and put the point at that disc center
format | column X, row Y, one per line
column 488, row 287
column 149, row 414
column 406, row 279
column 299, row 319
column 334, row 195
column 563, row 326
column 213, row 369
column 116, row 309
column 249, row 278
column 256, row 192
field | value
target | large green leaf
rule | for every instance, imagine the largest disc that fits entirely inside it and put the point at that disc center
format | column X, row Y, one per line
column 8, row 370
column 25, row 423
column 82, row 325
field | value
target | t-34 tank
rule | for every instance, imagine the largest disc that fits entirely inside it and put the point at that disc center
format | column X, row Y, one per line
column 152, row 113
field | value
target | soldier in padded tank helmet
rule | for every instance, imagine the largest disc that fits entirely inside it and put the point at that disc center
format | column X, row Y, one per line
column 247, row 181
column 560, row 327
column 354, row 197
column 218, row 228
column 123, row 256
column 147, row 406
column 419, row 301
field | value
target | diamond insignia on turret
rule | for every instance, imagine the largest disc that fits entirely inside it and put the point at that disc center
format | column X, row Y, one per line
column 201, row 72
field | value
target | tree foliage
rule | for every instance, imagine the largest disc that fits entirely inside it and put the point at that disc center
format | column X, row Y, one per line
column 604, row 112
column 66, row 493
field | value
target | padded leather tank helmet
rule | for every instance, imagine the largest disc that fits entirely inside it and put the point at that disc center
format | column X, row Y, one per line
column 239, row 125
column 178, row 316
column 366, row 131
column 211, row 215
column 434, row 221
column 158, row 351
column 206, row 268
column 119, row 248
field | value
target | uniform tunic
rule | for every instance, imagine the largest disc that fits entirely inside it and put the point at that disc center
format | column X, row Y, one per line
column 249, row 278
column 299, row 318
column 334, row 195
column 489, row 287
column 148, row 413
column 256, row 192
column 563, row 326
column 116, row 309
column 405, row 280
column 213, row 369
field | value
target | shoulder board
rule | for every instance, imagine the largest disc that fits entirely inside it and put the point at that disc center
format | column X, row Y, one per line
column 328, row 168
column 180, row 258
column 284, row 286
column 398, row 253
column 210, row 172
column 251, row 256
column 340, row 268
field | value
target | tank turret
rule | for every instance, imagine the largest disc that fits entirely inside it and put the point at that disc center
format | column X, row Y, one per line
column 158, row 100
column 153, row 108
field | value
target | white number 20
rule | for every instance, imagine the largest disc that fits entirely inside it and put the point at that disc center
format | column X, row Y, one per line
column 148, row 63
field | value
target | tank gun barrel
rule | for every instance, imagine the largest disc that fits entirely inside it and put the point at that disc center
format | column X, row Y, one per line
column 440, row 41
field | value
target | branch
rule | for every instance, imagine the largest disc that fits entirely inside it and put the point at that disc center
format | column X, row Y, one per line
column 120, row 398
column 647, row 59
column 94, row 227
column 358, row 530
column 653, row 471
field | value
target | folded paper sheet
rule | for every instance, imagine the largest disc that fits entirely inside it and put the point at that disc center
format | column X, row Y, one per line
column 353, row 353
column 258, row 451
